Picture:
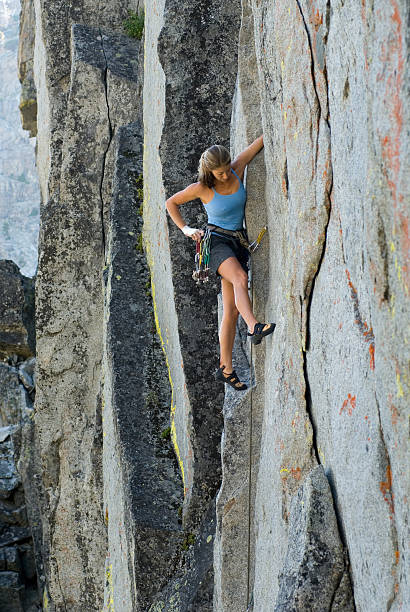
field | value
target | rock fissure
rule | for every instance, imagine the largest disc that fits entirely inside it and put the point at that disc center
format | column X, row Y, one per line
column 386, row 489
column 110, row 137
column 312, row 71
column 308, row 404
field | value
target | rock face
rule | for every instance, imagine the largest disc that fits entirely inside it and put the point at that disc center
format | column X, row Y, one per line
column 17, row 335
column 19, row 519
column 304, row 502
column 314, row 569
column 142, row 484
column 28, row 103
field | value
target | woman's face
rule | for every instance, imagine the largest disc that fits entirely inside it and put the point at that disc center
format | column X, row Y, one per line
column 222, row 174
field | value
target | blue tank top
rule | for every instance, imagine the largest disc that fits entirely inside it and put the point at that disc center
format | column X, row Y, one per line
column 227, row 211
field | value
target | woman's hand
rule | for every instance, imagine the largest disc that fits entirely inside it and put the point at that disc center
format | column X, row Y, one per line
column 192, row 232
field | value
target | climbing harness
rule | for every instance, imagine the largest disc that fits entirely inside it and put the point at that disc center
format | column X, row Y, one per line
column 239, row 235
column 203, row 250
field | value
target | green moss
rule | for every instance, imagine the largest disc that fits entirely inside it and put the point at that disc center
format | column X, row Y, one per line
column 25, row 103
column 188, row 541
column 134, row 24
column 139, row 246
column 166, row 434
column 151, row 400
column 140, row 190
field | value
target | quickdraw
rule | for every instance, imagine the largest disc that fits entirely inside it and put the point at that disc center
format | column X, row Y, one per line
column 202, row 254
column 255, row 244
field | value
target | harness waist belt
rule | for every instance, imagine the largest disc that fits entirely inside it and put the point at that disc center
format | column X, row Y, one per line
column 238, row 234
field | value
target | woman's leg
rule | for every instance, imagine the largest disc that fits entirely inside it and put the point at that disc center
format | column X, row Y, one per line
column 228, row 325
column 232, row 271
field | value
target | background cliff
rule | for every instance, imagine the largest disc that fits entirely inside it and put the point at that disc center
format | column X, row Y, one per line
column 19, row 191
column 303, row 505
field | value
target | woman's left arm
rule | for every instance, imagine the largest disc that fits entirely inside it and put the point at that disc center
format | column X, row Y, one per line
column 242, row 160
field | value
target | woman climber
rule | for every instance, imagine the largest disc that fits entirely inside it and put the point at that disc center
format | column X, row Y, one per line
column 223, row 195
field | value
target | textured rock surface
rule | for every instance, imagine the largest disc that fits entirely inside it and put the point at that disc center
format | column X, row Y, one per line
column 142, row 485
column 19, row 191
column 25, row 59
column 17, row 335
column 18, row 505
column 319, row 64
column 71, row 314
column 314, row 564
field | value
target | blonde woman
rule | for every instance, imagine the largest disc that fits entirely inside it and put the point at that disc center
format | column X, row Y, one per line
column 223, row 195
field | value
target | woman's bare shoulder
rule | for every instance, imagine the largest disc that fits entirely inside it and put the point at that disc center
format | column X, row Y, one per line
column 198, row 190
column 192, row 192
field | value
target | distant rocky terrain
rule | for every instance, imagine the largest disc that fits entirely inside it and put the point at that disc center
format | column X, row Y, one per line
column 147, row 489
column 19, row 187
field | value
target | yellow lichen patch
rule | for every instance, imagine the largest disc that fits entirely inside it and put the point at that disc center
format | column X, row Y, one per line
column 392, row 307
column 321, row 456
column 45, row 600
column 28, row 102
column 110, row 590
column 399, row 386
column 309, row 432
column 173, row 406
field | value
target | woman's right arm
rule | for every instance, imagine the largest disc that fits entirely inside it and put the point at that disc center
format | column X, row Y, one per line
column 182, row 197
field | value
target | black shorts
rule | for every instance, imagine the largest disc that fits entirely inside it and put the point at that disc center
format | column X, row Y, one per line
column 223, row 247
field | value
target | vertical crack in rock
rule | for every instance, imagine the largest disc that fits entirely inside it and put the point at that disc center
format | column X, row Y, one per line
column 110, row 130
column 311, row 284
column 312, row 70
column 386, row 488
column 343, row 587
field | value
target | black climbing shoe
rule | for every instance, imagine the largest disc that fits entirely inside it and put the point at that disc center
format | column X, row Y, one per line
column 230, row 379
column 258, row 333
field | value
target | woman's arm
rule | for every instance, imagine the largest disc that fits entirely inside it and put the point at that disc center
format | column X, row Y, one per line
column 182, row 197
column 242, row 160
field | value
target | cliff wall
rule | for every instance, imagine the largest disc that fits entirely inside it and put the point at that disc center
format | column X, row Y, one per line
column 303, row 505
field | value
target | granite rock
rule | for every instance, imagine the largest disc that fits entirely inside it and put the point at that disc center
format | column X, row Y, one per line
column 314, row 564
column 142, row 484
column 16, row 312
column 25, row 60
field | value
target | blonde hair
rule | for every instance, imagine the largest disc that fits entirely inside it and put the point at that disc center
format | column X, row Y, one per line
column 215, row 157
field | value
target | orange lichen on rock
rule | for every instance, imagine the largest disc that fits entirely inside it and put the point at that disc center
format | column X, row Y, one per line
column 349, row 404
column 386, row 489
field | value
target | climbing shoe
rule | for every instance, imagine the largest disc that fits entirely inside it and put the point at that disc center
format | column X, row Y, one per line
column 259, row 332
column 230, row 379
